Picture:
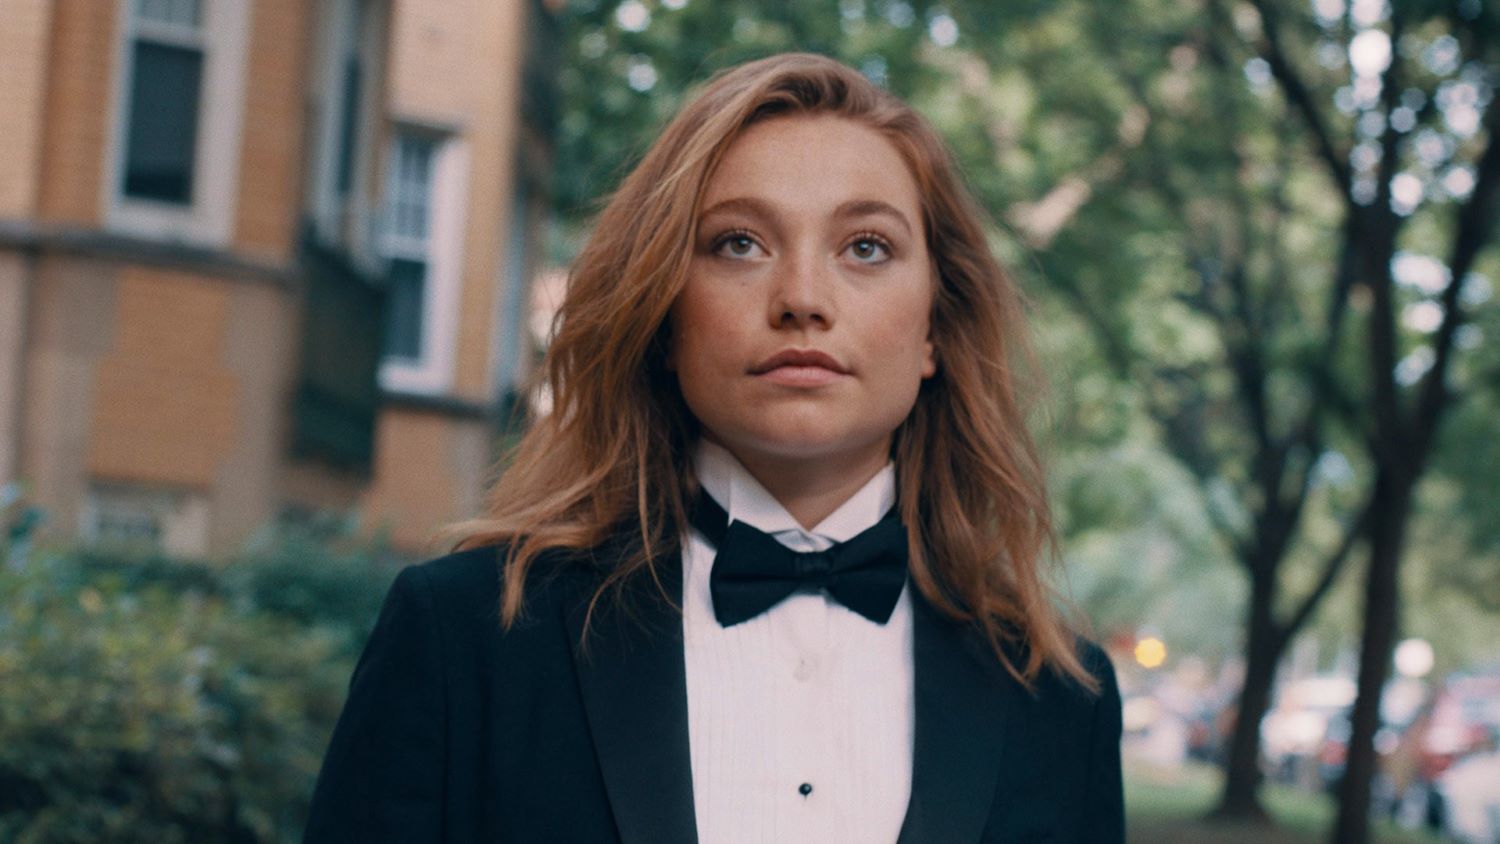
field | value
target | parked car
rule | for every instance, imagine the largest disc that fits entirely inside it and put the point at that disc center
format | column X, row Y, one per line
column 1400, row 704
column 1469, row 792
column 1292, row 732
column 1209, row 730
column 1461, row 720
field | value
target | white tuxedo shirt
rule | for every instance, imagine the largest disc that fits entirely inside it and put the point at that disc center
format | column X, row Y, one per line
column 800, row 720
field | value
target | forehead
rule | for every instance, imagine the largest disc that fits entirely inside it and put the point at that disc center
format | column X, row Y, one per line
column 813, row 160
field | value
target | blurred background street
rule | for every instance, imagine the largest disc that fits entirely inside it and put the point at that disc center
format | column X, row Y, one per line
column 275, row 274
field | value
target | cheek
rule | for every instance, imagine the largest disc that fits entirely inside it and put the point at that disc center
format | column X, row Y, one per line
column 910, row 325
column 684, row 336
column 697, row 342
column 686, row 318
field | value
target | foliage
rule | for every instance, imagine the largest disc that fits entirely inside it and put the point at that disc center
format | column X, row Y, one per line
column 1256, row 235
column 158, row 700
column 628, row 66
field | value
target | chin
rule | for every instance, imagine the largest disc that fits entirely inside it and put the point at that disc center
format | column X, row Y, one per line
column 810, row 445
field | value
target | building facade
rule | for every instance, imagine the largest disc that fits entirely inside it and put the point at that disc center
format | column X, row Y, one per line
column 263, row 258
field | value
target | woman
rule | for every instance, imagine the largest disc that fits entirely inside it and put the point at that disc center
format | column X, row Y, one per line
column 771, row 570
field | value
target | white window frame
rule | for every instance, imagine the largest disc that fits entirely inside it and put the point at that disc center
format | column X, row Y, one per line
column 208, row 220
column 351, row 220
column 181, row 516
column 511, row 340
column 431, row 372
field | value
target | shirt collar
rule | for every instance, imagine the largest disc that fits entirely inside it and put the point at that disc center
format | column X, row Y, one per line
column 743, row 497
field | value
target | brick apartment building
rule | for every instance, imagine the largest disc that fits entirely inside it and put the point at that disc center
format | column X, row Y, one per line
column 261, row 258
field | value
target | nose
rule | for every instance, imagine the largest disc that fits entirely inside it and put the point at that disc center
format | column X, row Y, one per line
column 802, row 296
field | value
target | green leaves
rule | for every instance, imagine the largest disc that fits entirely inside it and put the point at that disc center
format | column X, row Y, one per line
column 155, row 701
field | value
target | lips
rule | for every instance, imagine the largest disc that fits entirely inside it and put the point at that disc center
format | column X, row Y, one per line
column 800, row 358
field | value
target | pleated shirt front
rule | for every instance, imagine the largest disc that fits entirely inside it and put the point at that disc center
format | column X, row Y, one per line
column 800, row 720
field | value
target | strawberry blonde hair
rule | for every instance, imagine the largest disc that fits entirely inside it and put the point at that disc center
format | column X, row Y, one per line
column 612, row 459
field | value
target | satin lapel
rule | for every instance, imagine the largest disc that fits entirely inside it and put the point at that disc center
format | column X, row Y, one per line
column 964, row 701
column 634, row 688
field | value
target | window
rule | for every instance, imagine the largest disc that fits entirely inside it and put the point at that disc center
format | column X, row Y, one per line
column 144, row 518
column 421, row 245
column 408, row 209
column 344, row 121
column 349, row 97
column 179, row 98
column 162, row 127
column 123, row 520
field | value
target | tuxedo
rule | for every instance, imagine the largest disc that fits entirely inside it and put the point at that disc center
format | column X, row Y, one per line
column 458, row 730
column 793, row 688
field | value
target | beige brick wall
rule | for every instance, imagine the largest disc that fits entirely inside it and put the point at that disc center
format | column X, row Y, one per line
column 258, row 350
column 158, row 379
column 165, row 407
column 437, row 59
column 24, row 41
column 420, row 479
column 79, row 86
column 272, row 152
column 72, row 324
column 493, row 138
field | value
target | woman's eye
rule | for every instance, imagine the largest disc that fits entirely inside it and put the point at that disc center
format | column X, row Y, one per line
column 869, row 250
column 737, row 246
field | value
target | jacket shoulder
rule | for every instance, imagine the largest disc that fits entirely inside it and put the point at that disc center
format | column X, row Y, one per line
column 1054, row 688
column 1097, row 662
column 471, row 572
column 469, row 582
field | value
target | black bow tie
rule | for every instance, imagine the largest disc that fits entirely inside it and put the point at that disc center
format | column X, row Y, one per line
column 752, row 572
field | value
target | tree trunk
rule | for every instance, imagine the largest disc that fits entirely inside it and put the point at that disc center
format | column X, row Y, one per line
column 1392, row 502
column 1241, row 796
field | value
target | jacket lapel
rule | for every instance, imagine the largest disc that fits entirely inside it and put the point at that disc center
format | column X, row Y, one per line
column 634, row 687
column 964, row 700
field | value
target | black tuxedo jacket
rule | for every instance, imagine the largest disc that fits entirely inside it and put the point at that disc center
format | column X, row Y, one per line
column 455, row 730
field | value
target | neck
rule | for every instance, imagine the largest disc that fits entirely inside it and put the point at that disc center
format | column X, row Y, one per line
column 812, row 488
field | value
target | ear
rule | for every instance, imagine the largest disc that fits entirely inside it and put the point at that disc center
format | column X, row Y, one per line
column 929, row 349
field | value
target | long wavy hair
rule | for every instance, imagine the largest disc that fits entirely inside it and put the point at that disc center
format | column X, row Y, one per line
column 612, row 458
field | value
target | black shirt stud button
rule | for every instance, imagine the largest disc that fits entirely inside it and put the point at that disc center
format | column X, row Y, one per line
column 804, row 789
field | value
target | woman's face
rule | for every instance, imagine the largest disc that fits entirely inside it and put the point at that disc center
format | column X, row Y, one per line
column 802, row 332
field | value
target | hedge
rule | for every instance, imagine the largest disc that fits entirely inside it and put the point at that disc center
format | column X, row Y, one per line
column 155, row 700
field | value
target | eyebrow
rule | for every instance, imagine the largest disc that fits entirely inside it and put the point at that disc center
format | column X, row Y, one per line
column 846, row 209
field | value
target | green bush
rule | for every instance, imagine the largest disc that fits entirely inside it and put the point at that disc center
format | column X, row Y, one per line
column 162, row 701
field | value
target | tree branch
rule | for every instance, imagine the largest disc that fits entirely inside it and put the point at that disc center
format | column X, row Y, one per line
column 1474, row 227
column 1297, row 93
column 1331, row 568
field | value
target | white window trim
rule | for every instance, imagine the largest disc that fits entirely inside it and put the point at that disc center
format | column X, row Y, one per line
column 510, row 341
column 350, row 221
column 432, row 372
column 209, row 219
column 182, row 516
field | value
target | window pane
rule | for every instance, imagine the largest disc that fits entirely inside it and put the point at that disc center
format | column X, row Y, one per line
column 349, row 126
column 403, row 334
column 411, row 183
column 178, row 12
column 128, row 517
column 163, row 129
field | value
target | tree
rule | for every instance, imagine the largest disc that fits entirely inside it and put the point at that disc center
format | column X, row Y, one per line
column 628, row 66
column 1206, row 302
column 1422, row 70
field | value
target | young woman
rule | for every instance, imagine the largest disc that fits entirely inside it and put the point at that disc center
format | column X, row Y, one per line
column 772, row 569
